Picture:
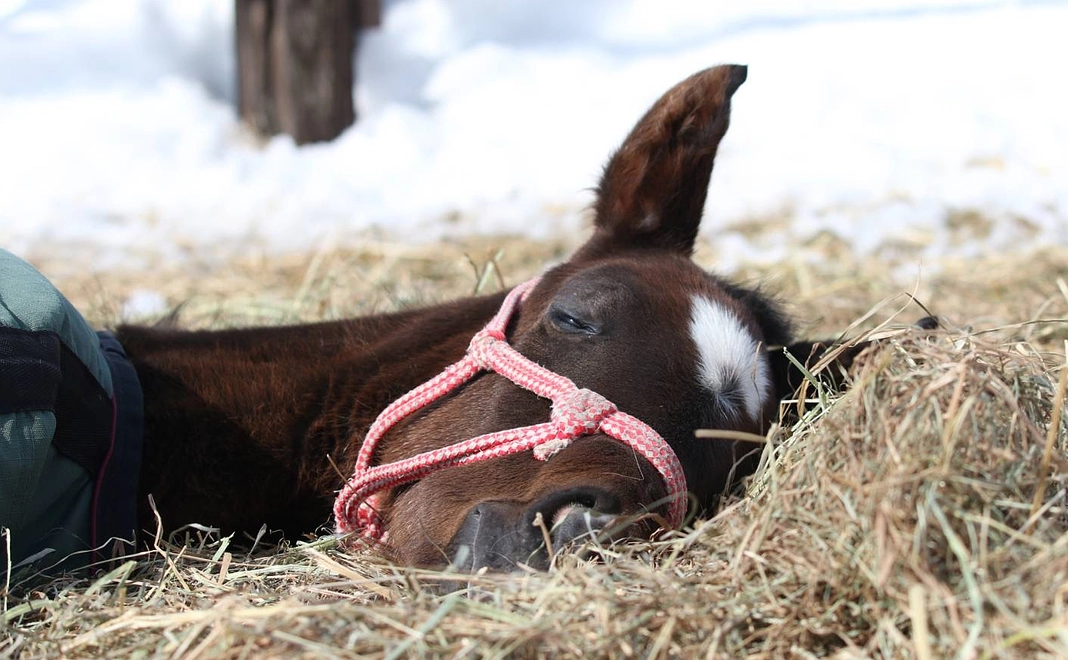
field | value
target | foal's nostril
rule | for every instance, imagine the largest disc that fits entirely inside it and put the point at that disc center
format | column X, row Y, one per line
column 579, row 524
column 575, row 515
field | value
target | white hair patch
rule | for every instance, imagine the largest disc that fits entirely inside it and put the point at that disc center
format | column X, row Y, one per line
column 731, row 362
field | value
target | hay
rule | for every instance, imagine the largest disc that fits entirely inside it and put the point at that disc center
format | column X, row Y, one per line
column 895, row 520
column 905, row 506
column 332, row 282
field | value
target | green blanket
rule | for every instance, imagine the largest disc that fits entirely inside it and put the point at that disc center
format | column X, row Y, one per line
column 57, row 413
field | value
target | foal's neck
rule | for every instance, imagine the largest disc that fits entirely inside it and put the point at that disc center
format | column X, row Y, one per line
column 241, row 426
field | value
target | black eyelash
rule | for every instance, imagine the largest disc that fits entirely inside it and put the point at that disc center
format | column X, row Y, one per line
column 569, row 323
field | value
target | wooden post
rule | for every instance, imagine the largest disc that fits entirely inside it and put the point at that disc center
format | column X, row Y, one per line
column 295, row 64
column 255, row 100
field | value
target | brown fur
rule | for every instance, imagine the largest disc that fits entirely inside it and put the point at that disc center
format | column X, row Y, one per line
column 240, row 423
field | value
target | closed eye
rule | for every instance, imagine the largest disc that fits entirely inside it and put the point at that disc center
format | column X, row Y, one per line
column 570, row 323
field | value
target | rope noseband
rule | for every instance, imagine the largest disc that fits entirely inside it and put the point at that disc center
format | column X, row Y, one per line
column 575, row 413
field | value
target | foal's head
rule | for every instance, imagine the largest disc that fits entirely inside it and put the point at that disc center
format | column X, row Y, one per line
column 628, row 316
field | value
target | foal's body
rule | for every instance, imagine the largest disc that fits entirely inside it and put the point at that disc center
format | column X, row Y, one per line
column 242, row 426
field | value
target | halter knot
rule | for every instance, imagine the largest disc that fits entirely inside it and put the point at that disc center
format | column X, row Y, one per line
column 580, row 411
column 576, row 413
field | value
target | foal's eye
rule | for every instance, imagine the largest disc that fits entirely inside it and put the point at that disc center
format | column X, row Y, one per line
column 568, row 322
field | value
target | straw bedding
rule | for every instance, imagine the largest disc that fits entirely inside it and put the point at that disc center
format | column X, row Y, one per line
column 921, row 513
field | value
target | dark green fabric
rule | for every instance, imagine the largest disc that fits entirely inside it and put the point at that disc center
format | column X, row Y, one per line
column 30, row 302
column 45, row 498
column 56, row 519
column 25, row 439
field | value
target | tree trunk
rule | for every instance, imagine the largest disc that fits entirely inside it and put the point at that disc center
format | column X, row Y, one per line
column 295, row 66
column 255, row 100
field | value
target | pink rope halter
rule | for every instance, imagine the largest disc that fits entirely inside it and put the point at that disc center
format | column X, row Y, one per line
column 575, row 413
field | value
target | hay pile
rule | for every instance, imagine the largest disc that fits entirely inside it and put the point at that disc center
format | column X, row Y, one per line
column 921, row 514
column 901, row 516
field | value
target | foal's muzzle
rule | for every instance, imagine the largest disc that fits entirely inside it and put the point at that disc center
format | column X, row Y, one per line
column 505, row 535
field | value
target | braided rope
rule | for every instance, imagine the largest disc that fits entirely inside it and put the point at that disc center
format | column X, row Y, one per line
column 575, row 413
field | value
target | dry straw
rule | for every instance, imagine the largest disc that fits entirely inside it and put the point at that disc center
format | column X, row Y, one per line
column 922, row 513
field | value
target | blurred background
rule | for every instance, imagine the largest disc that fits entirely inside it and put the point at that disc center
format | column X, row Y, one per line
column 906, row 128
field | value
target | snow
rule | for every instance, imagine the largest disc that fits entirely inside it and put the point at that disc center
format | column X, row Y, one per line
column 877, row 120
column 144, row 304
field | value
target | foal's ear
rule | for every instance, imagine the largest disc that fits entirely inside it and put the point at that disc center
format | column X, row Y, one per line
column 653, row 190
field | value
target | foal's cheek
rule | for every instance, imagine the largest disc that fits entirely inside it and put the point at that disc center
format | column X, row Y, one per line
column 422, row 521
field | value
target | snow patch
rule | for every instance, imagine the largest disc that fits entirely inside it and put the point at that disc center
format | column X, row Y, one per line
column 872, row 119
